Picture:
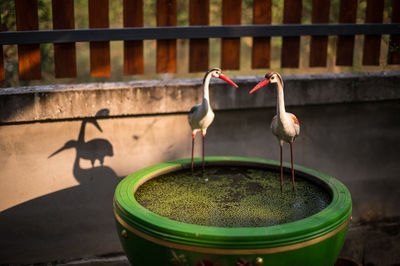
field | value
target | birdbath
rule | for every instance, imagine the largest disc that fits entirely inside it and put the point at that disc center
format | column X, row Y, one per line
column 231, row 213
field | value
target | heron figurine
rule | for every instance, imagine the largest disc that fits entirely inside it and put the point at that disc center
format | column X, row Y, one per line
column 285, row 126
column 201, row 115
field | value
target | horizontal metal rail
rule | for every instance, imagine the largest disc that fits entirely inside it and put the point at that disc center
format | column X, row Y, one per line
column 194, row 32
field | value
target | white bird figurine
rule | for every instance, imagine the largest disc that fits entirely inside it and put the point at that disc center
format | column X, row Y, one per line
column 285, row 126
column 201, row 115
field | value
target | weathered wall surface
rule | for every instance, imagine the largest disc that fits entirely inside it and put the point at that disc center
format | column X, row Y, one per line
column 60, row 206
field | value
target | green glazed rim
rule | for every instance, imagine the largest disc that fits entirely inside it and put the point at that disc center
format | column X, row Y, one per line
column 153, row 227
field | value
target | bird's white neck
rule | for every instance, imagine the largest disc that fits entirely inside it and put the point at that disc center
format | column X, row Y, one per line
column 280, row 103
column 206, row 94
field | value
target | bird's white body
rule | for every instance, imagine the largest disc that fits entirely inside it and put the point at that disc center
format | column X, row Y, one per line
column 201, row 115
column 284, row 125
column 284, row 129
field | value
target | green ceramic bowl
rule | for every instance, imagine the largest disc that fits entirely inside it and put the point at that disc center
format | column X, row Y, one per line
column 151, row 239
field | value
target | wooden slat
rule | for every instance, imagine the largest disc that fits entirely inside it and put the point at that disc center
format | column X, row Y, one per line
column 133, row 50
column 345, row 44
column 372, row 43
column 28, row 54
column 261, row 52
column 230, row 47
column 99, row 51
column 166, row 49
column 198, row 48
column 291, row 45
column 2, row 71
column 64, row 53
column 319, row 44
column 394, row 47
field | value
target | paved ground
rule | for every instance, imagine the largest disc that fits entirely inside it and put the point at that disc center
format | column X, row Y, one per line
column 111, row 260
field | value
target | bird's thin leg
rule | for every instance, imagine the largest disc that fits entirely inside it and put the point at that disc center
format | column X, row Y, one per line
column 291, row 158
column 204, row 140
column 281, row 168
column 193, row 137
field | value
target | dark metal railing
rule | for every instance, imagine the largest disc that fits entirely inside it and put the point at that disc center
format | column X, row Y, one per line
column 195, row 32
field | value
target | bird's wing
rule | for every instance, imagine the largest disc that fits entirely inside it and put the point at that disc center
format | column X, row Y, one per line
column 296, row 123
column 192, row 115
column 192, row 111
column 273, row 122
column 194, row 108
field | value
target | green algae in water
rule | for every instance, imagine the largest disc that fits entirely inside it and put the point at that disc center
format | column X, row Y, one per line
column 231, row 197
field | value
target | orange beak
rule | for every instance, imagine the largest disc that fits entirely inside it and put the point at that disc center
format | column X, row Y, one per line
column 260, row 85
column 223, row 77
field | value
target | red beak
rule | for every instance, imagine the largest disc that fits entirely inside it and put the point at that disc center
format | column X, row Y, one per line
column 259, row 85
column 221, row 76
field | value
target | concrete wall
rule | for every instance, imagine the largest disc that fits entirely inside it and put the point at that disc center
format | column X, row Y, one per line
column 60, row 207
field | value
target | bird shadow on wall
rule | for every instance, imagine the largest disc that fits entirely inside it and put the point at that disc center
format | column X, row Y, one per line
column 70, row 223
column 93, row 150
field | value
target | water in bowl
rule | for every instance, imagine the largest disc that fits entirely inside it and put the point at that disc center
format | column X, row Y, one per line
column 226, row 196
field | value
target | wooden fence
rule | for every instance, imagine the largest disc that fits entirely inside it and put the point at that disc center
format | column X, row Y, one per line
column 28, row 37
